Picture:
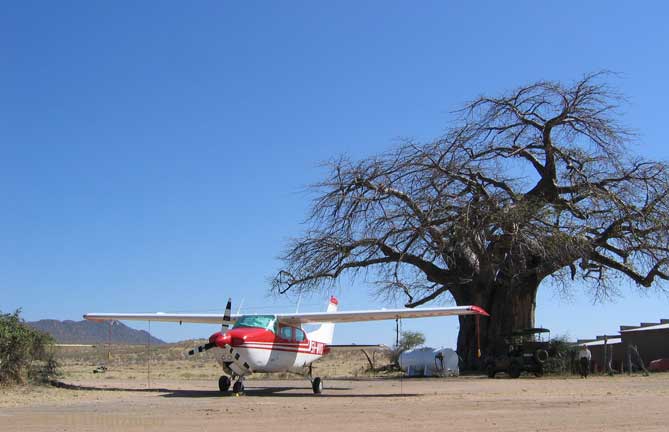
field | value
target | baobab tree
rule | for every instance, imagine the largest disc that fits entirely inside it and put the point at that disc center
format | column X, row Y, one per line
column 538, row 182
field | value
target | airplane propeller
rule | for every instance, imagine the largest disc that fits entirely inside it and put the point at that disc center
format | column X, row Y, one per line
column 226, row 316
column 202, row 348
column 224, row 328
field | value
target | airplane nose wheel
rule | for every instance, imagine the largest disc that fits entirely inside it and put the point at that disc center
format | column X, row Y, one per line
column 224, row 383
column 238, row 387
column 317, row 385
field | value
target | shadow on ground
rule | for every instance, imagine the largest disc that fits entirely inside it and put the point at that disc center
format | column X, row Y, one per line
column 329, row 392
column 288, row 392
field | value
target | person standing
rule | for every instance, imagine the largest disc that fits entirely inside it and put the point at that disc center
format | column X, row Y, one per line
column 584, row 357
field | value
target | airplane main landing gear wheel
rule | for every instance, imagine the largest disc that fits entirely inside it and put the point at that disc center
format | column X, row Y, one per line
column 317, row 385
column 224, row 384
column 238, row 387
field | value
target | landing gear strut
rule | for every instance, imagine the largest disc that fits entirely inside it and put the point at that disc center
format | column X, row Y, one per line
column 316, row 383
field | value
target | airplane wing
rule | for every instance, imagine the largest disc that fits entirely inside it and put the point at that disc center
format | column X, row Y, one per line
column 376, row 315
column 160, row 317
column 297, row 318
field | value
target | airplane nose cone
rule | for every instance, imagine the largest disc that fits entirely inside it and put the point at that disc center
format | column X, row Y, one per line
column 220, row 339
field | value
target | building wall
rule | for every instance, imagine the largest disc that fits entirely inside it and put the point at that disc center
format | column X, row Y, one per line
column 652, row 344
column 597, row 352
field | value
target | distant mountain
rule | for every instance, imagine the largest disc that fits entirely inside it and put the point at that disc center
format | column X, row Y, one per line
column 90, row 332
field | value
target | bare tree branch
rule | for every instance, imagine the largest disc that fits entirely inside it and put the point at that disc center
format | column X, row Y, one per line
column 524, row 186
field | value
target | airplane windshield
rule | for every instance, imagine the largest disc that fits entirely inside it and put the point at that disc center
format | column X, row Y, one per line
column 256, row 321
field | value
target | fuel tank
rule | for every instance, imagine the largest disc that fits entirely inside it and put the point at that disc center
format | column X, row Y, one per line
column 429, row 362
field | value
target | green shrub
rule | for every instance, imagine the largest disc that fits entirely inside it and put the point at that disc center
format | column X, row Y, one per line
column 24, row 352
column 408, row 341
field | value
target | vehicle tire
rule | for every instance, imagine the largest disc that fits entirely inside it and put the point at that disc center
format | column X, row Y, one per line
column 491, row 371
column 317, row 385
column 539, row 372
column 224, row 384
column 238, row 387
column 541, row 355
column 514, row 371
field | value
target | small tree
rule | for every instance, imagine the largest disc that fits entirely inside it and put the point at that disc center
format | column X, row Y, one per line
column 408, row 341
column 21, row 346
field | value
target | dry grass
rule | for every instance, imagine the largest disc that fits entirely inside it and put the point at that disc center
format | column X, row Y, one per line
column 128, row 362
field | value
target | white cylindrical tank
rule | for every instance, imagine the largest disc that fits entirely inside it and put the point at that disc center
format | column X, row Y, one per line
column 429, row 362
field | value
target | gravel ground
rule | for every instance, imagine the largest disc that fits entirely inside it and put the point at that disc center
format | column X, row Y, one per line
column 620, row 403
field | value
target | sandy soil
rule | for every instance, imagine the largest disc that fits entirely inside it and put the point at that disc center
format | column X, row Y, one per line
column 465, row 404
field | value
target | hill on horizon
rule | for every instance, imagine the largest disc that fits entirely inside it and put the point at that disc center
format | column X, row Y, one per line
column 90, row 332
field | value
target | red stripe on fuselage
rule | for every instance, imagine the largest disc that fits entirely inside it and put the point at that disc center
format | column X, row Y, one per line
column 273, row 348
column 257, row 338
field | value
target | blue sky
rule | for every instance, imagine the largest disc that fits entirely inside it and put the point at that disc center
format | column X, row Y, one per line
column 155, row 156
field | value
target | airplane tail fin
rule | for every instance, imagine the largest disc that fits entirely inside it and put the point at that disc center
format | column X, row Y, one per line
column 325, row 332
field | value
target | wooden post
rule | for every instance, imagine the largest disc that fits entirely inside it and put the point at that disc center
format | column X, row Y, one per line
column 639, row 360
column 369, row 360
column 608, row 356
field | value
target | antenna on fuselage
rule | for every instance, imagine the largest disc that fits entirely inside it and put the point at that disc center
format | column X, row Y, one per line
column 239, row 309
column 297, row 306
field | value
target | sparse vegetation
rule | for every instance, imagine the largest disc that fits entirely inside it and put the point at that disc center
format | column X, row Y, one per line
column 170, row 362
column 24, row 352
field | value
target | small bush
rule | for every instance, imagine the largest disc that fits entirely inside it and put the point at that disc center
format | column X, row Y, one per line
column 559, row 362
column 24, row 353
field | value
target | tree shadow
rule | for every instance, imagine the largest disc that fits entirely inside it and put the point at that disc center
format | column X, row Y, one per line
column 68, row 386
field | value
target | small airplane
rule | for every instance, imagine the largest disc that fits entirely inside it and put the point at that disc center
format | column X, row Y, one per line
column 278, row 342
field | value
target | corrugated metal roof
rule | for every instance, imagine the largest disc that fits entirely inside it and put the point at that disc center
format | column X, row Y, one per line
column 611, row 341
column 654, row 327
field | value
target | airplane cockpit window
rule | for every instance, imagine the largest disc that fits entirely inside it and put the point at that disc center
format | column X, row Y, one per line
column 299, row 335
column 256, row 321
column 286, row 333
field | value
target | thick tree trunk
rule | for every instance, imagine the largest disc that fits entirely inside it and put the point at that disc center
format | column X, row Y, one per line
column 511, row 305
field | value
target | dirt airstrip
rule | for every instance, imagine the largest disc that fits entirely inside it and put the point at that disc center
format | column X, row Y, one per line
column 619, row 403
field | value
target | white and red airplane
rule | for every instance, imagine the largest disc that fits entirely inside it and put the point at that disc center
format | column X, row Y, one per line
column 277, row 342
